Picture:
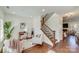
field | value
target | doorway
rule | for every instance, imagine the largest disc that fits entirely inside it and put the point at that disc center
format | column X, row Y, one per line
column 70, row 30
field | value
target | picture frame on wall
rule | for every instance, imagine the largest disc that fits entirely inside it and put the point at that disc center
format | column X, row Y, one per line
column 22, row 25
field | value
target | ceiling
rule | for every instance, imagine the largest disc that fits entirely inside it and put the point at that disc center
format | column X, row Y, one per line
column 27, row 11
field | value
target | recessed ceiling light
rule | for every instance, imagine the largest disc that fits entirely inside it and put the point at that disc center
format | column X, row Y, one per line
column 43, row 10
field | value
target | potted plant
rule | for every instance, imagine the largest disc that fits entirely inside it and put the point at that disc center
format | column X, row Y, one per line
column 8, row 29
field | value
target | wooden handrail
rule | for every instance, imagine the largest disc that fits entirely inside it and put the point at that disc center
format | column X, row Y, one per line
column 44, row 33
column 53, row 40
column 45, row 18
column 49, row 29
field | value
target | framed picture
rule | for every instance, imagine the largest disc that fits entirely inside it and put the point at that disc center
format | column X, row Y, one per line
column 22, row 25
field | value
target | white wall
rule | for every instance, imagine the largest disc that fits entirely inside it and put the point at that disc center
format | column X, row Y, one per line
column 55, row 23
column 31, row 22
column 16, row 20
column 37, row 21
column 1, row 14
column 37, row 24
column 1, row 25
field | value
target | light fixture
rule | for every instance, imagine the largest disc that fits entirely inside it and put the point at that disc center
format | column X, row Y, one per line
column 43, row 10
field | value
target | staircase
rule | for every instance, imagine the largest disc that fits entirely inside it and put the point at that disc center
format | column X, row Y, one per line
column 48, row 31
column 45, row 18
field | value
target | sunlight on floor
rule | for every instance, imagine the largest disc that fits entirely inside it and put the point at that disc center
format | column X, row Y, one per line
column 72, row 41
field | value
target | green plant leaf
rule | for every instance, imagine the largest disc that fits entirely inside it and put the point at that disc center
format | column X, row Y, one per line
column 7, row 24
column 8, row 36
column 7, row 29
column 11, row 30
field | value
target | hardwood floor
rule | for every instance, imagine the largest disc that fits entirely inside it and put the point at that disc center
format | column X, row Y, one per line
column 67, row 47
column 62, row 47
column 37, row 49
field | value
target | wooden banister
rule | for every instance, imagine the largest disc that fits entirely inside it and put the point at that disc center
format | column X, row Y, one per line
column 49, row 33
column 45, row 18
